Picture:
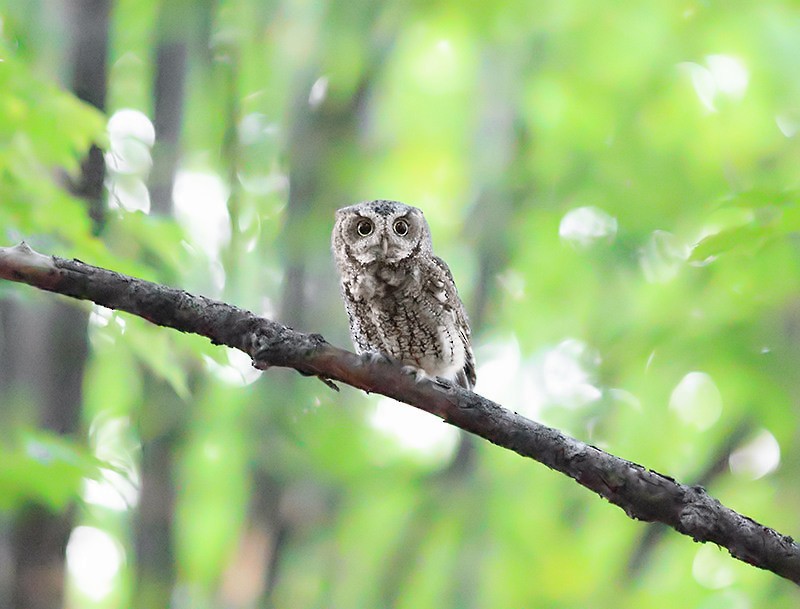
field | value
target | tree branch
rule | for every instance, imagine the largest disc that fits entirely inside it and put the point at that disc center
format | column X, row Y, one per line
column 642, row 493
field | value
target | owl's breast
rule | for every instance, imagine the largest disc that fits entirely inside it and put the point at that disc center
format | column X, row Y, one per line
column 383, row 282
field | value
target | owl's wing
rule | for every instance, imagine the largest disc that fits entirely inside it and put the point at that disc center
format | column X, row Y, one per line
column 357, row 316
column 466, row 377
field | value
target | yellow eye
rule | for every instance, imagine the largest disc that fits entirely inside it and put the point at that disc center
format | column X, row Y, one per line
column 364, row 228
column 401, row 227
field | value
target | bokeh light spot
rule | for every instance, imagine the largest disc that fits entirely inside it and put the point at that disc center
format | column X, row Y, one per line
column 712, row 568
column 417, row 432
column 131, row 137
column 697, row 400
column 94, row 559
column 318, row 93
column 567, row 372
column 759, row 457
column 663, row 256
column 721, row 76
column 586, row 226
column 201, row 208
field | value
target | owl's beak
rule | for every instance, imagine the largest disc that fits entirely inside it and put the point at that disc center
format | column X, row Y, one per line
column 384, row 245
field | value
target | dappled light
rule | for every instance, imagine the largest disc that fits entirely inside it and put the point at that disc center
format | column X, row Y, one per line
column 561, row 376
column 663, row 255
column 585, row 226
column 788, row 123
column 419, row 434
column 131, row 138
column 503, row 376
column 759, row 457
column 94, row 560
column 200, row 207
column 117, row 486
column 237, row 370
column 261, row 138
column 719, row 76
column 711, row 569
column 567, row 372
column 697, row 400
column 113, row 490
column 319, row 91
column 101, row 317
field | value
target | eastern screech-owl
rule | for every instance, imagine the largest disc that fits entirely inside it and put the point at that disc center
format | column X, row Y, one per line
column 400, row 298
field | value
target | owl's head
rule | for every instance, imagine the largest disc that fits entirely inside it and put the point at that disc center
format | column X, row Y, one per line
column 381, row 231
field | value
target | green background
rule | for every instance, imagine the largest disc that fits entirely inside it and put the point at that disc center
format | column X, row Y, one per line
column 614, row 188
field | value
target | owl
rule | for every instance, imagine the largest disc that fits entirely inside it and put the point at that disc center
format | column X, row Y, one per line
column 401, row 299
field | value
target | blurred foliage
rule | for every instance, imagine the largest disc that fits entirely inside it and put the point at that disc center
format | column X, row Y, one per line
column 44, row 467
column 615, row 189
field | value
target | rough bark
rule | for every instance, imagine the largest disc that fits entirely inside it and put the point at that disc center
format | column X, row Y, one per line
column 642, row 493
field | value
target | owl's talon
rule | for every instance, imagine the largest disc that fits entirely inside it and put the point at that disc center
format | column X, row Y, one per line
column 329, row 383
column 442, row 384
column 374, row 357
column 418, row 373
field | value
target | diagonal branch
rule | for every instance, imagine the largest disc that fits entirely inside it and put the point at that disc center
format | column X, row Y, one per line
column 642, row 493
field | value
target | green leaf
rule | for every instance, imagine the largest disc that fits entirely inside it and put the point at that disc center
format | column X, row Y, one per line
column 747, row 237
column 761, row 197
column 44, row 467
column 153, row 346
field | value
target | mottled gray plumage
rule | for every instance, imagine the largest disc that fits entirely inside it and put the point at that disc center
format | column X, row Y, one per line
column 400, row 298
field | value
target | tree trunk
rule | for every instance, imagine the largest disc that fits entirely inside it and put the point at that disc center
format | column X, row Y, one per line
column 53, row 343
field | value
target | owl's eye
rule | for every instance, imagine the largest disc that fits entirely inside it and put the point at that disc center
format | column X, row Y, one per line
column 401, row 227
column 364, row 228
